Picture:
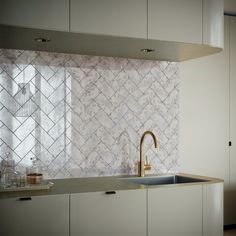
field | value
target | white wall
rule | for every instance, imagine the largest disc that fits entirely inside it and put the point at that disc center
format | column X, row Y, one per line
column 204, row 114
column 205, row 125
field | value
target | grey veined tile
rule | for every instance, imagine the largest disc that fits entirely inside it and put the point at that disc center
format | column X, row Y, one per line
column 25, row 128
column 25, row 146
column 83, row 115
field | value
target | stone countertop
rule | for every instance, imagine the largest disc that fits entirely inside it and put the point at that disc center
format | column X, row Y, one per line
column 99, row 184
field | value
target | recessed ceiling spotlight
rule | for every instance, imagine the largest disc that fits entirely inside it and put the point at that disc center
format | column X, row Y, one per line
column 147, row 50
column 42, row 40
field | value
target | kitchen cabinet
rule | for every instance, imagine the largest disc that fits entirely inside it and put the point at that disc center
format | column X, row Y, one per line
column 98, row 213
column 174, row 30
column 213, row 23
column 175, row 211
column 50, row 14
column 232, row 67
column 179, row 20
column 189, row 21
column 213, row 209
column 208, row 116
column 232, row 122
column 38, row 215
column 204, row 112
column 79, row 207
column 127, row 18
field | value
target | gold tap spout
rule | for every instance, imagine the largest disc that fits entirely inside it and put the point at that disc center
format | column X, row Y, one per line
column 145, row 166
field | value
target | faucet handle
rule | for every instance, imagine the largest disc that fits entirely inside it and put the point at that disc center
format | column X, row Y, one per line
column 147, row 166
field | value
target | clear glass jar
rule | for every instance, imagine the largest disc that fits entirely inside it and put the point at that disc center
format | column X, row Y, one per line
column 20, row 179
column 34, row 174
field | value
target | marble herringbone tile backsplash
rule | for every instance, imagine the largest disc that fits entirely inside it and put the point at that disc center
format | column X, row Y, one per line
column 84, row 115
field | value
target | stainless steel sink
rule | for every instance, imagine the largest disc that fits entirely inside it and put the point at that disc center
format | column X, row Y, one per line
column 160, row 180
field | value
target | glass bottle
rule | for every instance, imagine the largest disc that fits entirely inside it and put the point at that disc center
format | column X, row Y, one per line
column 8, row 172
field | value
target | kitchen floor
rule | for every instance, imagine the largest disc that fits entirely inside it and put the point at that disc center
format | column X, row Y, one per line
column 231, row 232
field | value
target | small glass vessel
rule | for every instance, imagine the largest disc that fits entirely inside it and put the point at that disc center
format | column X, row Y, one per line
column 9, row 174
column 34, row 174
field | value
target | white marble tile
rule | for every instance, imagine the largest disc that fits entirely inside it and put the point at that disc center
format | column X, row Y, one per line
column 88, row 113
column 25, row 146
column 104, row 120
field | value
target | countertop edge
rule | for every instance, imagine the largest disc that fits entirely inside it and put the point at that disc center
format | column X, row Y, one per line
column 103, row 184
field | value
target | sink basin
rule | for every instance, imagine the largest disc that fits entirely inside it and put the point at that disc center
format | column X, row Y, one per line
column 160, row 180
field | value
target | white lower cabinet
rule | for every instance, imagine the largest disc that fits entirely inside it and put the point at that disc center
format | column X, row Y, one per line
column 38, row 216
column 112, row 213
column 175, row 211
column 195, row 210
column 213, row 209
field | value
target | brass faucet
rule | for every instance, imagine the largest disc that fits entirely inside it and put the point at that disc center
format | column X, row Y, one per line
column 142, row 165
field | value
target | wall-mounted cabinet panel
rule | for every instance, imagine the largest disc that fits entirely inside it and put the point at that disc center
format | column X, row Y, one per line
column 204, row 114
column 127, row 18
column 232, row 192
column 39, row 215
column 50, row 14
column 178, row 20
column 213, row 23
column 233, row 102
column 98, row 213
column 208, row 116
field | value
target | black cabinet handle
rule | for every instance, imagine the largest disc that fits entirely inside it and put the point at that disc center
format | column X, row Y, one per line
column 25, row 198
column 110, row 192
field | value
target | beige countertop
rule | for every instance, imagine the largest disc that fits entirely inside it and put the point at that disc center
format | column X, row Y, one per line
column 99, row 184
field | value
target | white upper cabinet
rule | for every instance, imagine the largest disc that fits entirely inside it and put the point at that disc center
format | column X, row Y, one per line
column 188, row 21
column 50, row 14
column 178, row 20
column 176, row 30
column 213, row 23
column 127, row 18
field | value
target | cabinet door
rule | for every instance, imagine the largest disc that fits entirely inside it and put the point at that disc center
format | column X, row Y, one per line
column 178, row 20
column 50, row 14
column 213, row 209
column 233, row 103
column 110, row 17
column 213, row 22
column 204, row 112
column 101, row 214
column 232, row 193
column 44, row 215
column 175, row 211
